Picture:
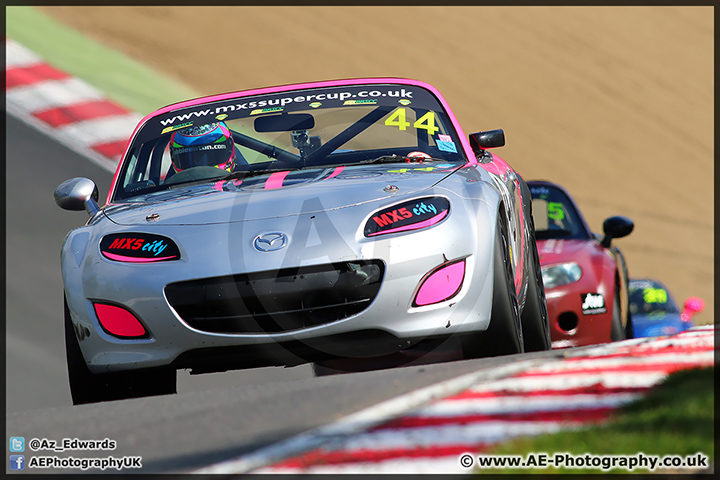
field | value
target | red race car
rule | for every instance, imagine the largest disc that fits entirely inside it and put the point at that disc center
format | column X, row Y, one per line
column 585, row 275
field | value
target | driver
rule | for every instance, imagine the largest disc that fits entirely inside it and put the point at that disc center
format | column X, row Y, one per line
column 208, row 145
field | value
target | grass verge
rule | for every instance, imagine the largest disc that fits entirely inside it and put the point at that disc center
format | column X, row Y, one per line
column 122, row 79
column 676, row 417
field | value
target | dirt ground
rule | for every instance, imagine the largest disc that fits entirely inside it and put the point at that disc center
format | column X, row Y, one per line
column 614, row 103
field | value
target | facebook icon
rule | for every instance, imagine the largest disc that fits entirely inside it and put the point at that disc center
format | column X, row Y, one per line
column 17, row 462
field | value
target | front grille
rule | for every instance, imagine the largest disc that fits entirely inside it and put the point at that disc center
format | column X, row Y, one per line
column 278, row 300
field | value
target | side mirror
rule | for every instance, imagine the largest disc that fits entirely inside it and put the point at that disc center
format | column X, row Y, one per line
column 692, row 305
column 491, row 139
column 616, row 227
column 78, row 193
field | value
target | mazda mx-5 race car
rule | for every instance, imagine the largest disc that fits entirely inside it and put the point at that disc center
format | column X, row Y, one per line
column 584, row 273
column 654, row 311
column 295, row 224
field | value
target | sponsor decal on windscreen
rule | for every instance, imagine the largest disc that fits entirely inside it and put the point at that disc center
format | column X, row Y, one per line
column 277, row 102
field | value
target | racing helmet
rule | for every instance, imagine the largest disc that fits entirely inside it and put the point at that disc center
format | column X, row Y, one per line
column 204, row 145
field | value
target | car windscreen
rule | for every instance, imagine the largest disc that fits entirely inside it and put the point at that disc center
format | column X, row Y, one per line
column 302, row 129
column 554, row 214
column 647, row 298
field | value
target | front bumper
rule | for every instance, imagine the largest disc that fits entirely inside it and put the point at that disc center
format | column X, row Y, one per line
column 388, row 323
column 569, row 327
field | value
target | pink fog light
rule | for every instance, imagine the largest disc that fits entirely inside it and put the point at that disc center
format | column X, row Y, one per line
column 119, row 322
column 442, row 284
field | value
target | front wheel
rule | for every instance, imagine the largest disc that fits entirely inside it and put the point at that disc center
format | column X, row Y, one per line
column 629, row 331
column 617, row 332
column 535, row 323
column 320, row 370
column 88, row 387
column 504, row 334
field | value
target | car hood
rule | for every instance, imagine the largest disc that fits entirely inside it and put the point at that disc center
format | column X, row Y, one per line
column 558, row 250
column 279, row 194
column 657, row 324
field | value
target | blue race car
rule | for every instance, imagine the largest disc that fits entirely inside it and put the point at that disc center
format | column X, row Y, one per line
column 654, row 311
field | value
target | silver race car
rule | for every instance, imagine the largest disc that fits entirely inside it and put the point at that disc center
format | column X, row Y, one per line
column 317, row 222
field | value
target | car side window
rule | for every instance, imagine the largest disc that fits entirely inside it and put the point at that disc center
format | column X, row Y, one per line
column 148, row 167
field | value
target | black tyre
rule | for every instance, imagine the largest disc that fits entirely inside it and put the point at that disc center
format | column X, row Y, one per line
column 535, row 322
column 504, row 334
column 617, row 331
column 87, row 387
column 321, row 370
column 629, row 331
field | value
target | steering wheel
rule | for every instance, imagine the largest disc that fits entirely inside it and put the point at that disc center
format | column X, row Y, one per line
column 196, row 173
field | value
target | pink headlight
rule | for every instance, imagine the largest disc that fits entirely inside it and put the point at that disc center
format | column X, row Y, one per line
column 119, row 322
column 441, row 284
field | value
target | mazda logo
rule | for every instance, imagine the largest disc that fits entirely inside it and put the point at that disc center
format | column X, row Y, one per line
column 269, row 242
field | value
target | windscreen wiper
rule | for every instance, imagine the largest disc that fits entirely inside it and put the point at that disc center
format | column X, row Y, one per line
column 253, row 173
column 399, row 159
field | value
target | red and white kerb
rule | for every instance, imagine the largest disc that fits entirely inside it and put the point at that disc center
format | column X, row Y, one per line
column 67, row 108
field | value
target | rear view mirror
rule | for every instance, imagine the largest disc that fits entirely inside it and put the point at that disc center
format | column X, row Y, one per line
column 284, row 122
